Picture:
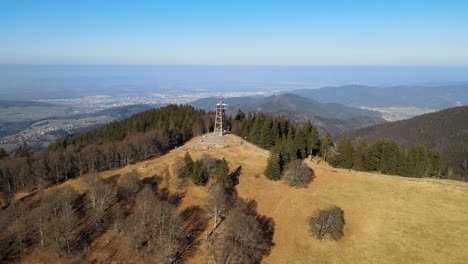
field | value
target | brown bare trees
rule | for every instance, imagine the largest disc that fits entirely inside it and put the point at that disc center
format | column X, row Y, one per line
column 239, row 240
column 154, row 228
column 297, row 174
column 327, row 222
column 218, row 203
column 100, row 197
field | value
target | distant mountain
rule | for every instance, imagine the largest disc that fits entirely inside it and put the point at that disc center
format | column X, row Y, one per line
column 445, row 131
column 433, row 97
column 332, row 117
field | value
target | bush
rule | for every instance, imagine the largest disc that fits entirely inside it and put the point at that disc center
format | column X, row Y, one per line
column 297, row 174
column 329, row 221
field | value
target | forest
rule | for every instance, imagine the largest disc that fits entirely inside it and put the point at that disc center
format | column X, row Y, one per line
column 144, row 135
column 289, row 141
column 154, row 132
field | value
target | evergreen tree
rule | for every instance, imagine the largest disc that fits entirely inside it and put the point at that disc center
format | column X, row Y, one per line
column 313, row 142
column 198, row 175
column 239, row 115
column 3, row 154
column 345, row 156
column 360, row 152
column 325, row 146
column 273, row 168
column 267, row 138
column 417, row 161
column 23, row 151
column 223, row 174
column 388, row 156
column 402, row 167
column 188, row 163
column 372, row 158
column 437, row 165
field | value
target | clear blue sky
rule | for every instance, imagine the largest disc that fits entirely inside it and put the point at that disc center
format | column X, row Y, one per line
column 234, row 32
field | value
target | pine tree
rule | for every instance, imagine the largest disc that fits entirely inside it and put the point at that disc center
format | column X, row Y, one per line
column 437, row 165
column 3, row 154
column 388, row 156
column 273, row 168
column 345, row 156
column 360, row 151
column 188, row 163
column 313, row 141
column 223, row 174
column 372, row 158
column 417, row 161
column 325, row 146
column 198, row 175
column 23, row 151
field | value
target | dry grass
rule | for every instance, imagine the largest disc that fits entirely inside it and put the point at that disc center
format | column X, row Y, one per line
column 389, row 219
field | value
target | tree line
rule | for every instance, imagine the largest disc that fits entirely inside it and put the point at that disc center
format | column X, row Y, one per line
column 147, row 134
column 289, row 141
column 387, row 157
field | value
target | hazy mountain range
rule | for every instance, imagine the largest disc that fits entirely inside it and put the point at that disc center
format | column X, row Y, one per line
column 432, row 97
column 332, row 117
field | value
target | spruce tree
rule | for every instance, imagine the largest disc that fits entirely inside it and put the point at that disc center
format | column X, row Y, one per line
column 372, row 158
column 345, row 157
column 188, row 163
column 3, row 154
column 198, row 175
column 388, row 156
column 360, row 151
column 273, row 168
column 325, row 146
column 313, row 142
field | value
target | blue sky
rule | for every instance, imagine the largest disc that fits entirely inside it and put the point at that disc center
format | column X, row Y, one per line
column 234, row 32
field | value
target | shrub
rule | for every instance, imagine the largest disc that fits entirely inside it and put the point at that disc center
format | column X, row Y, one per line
column 329, row 221
column 297, row 174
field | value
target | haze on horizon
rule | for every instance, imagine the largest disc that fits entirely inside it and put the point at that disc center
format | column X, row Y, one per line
column 237, row 32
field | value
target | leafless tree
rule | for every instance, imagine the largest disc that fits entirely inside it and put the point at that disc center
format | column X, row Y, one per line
column 218, row 203
column 100, row 196
column 129, row 184
column 20, row 224
column 210, row 164
column 64, row 228
column 56, row 221
column 240, row 240
column 297, row 174
column 329, row 221
column 154, row 228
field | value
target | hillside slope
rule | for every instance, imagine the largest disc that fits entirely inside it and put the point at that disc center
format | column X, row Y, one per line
column 445, row 131
column 388, row 218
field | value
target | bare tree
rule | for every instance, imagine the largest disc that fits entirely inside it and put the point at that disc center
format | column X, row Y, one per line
column 129, row 184
column 240, row 240
column 100, row 196
column 20, row 224
column 218, row 203
column 154, row 228
column 329, row 221
column 64, row 228
column 297, row 174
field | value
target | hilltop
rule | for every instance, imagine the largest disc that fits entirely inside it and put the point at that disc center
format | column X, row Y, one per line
column 333, row 117
column 388, row 218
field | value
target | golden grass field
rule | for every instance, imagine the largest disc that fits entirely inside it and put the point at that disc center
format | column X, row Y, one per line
column 389, row 219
